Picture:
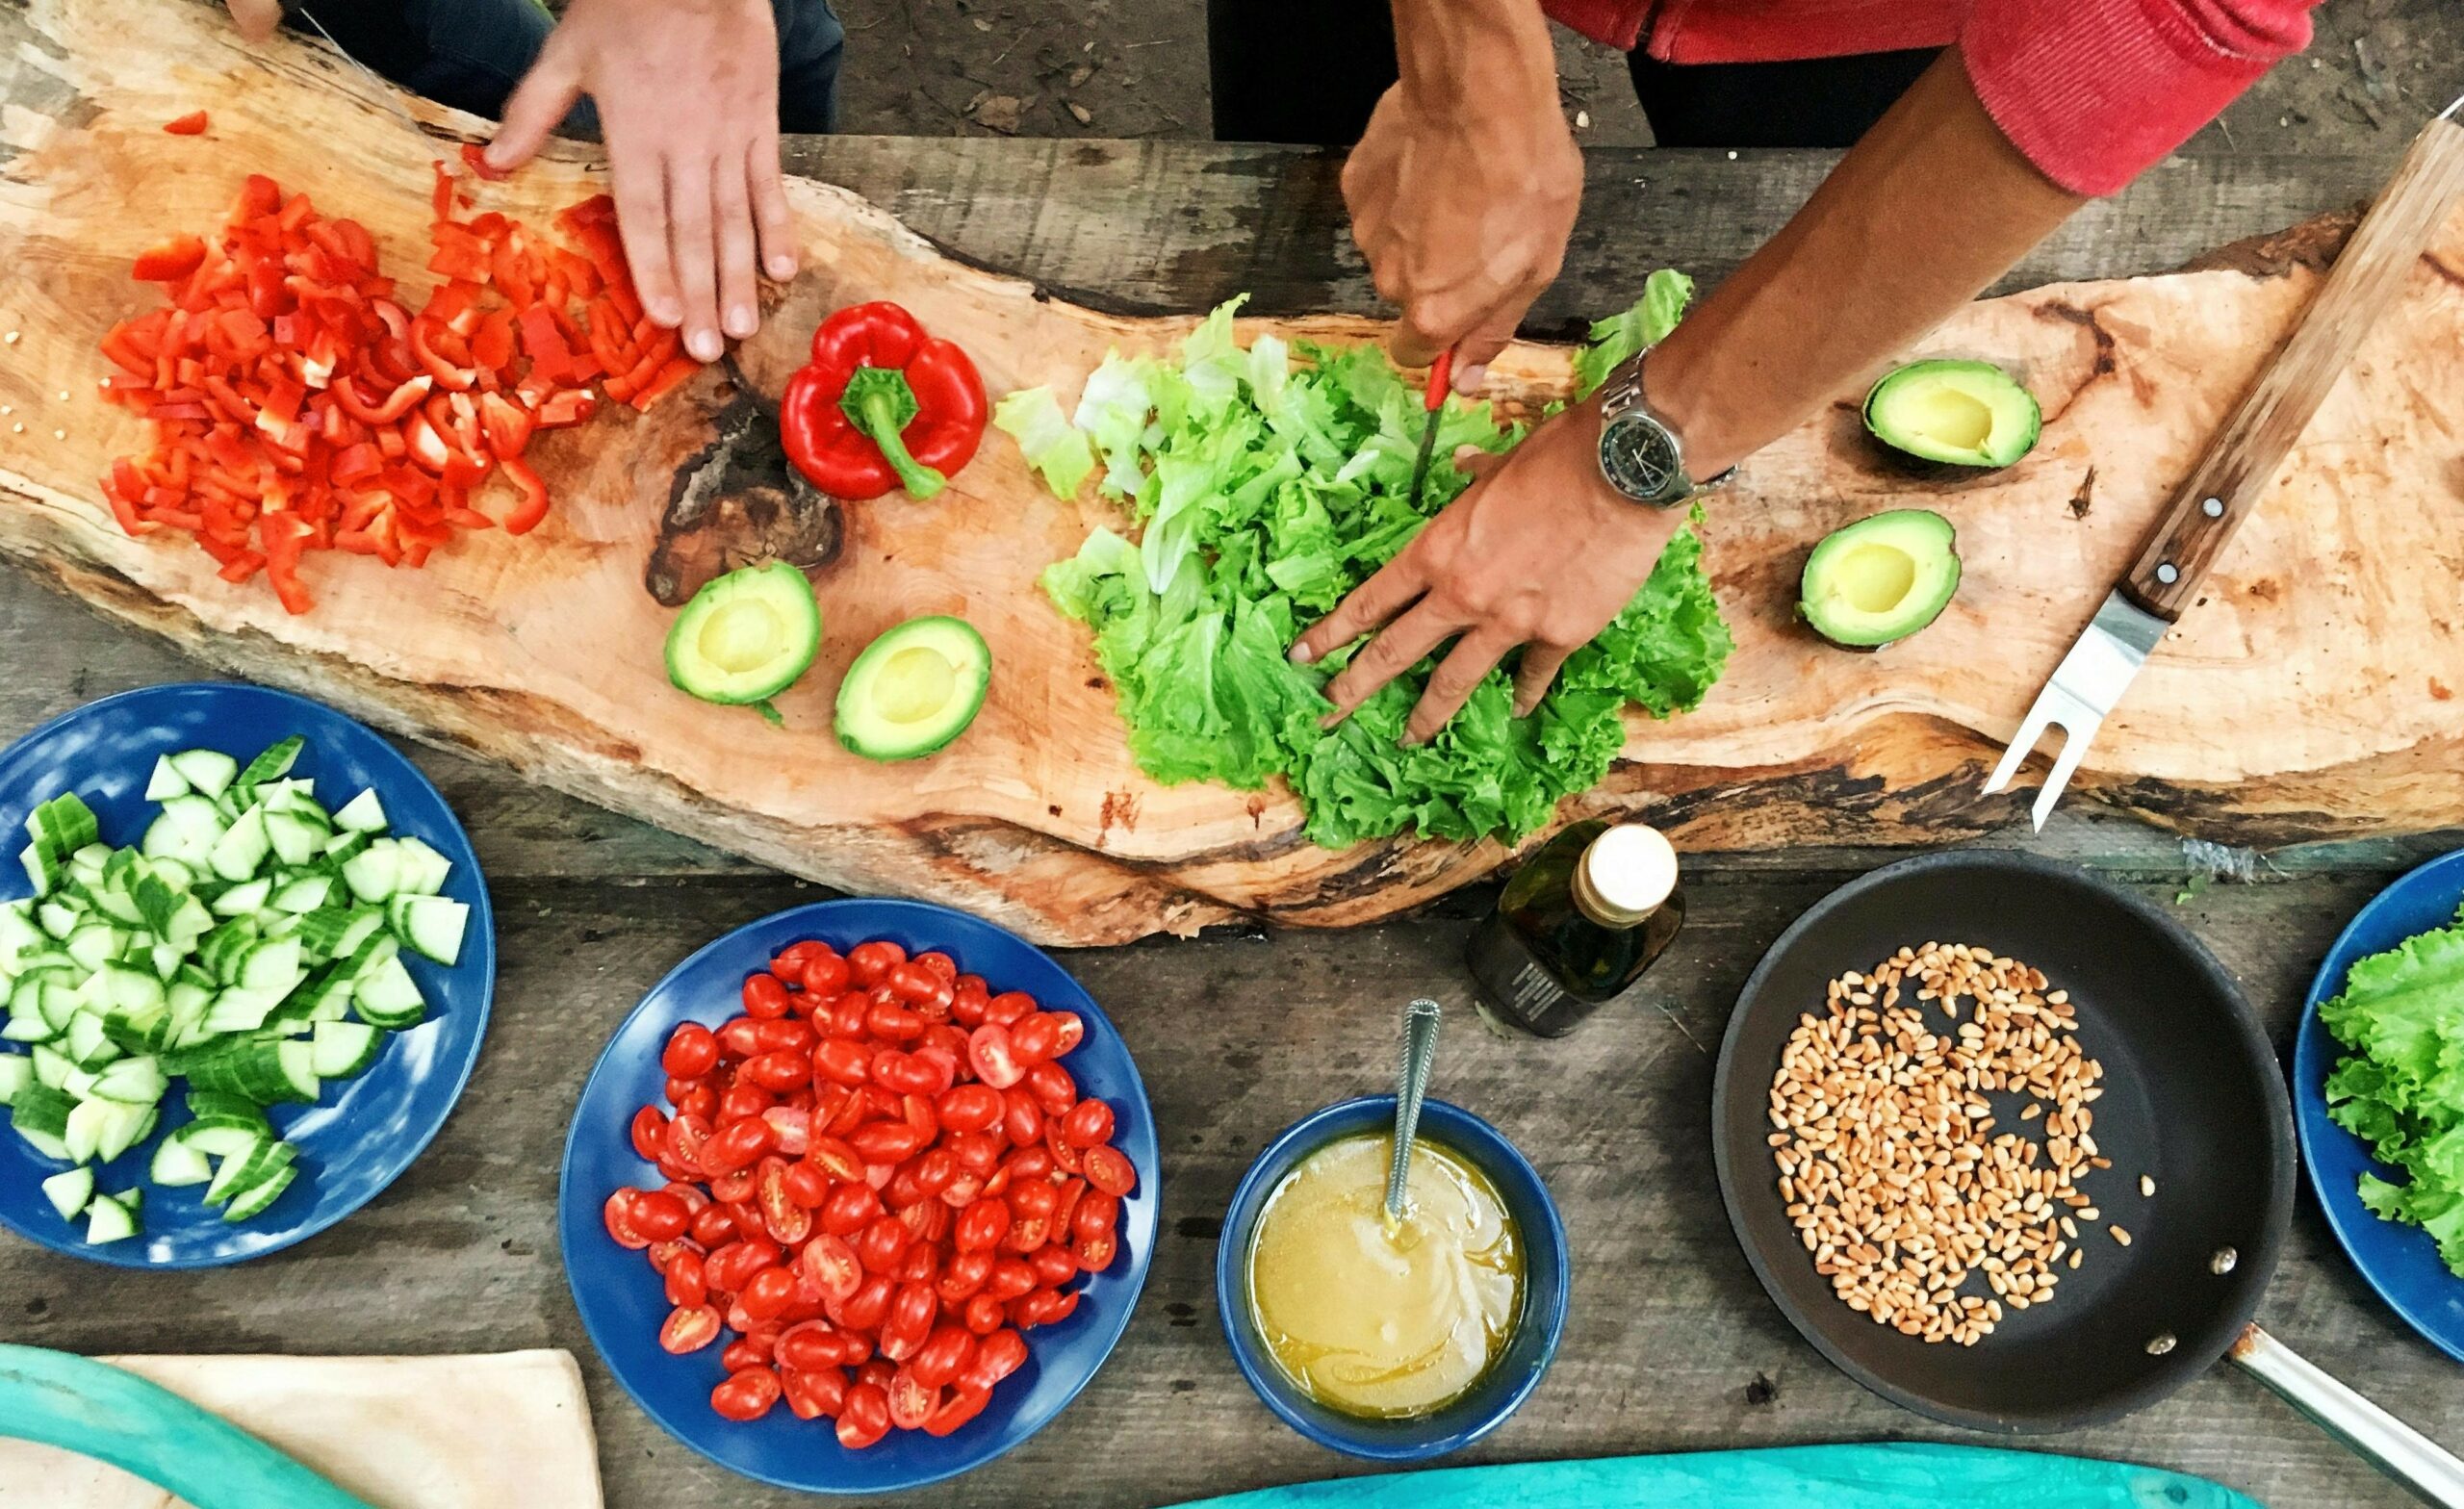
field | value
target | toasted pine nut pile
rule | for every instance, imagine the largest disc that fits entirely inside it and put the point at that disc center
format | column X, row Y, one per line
column 1889, row 1161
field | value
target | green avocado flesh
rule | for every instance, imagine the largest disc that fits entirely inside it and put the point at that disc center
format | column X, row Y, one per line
column 1881, row 578
column 1970, row 413
column 914, row 689
column 746, row 636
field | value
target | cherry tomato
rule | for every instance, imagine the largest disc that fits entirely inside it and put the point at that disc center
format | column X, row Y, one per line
column 912, row 1403
column 687, row 1289
column 1034, row 1309
column 1068, row 1160
column 689, row 1329
column 863, row 1417
column 984, row 1314
column 835, row 1159
column 870, row 963
column 739, row 1040
column 893, row 1022
column 1089, row 1123
column 742, row 1353
column 996, row 1357
column 808, row 1347
column 847, row 1014
column 962, row 1404
column 746, row 1395
column 887, row 1142
column 767, row 1292
column 942, row 1061
column 1052, row 1087
column 1074, row 1031
column 728, row 1267
column 1095, row 1251
column 943, row 1356
column 1030, row 1162
column 814, row 1395
column 790, row 1130
column 969, row 1001
column 982, row 1225
column 1011, row 1277
column 964, row 1275
column 842, row 1060
column 1054, row 1266
column 765, row 999
column 1096, row 1216
column 699, row 1101
column 990, row 1054
column 1034, row 1037
column 865, row 1309
column 913, row 985
column 934, row 1171
column 1007, row 1007
column 660, row 1215
column 850, row 1208
column 806, row 1185
column 713, row 1227
column 787, row 1219
column 777, row 1072
column 618, row 1215
column 910, row 1320
column 788, row 963
column 901, row 1072
column 880, row 1245
column 691, row 1052
column 1021, row 1118
column 1108, row 1169
column 939, row 965
column 929, row 1222
column 832, row 1267
column 735, row 1146
column 977, row 1152
column 650, row 1133
column 742, row 1102
column 825, row 976
column 969, row 1107
column 1027, row 1234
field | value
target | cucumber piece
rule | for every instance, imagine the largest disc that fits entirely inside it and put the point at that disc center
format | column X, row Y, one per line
column 109, row 1221
column 273, row 964
column 63, row 825
column 275, row 763
column 240, row 849
column 424, row 871
column 303, row 896
column 57, row 920
column 89, row 1042
column 89, row 1121
column 179, row 1162
column 295, row 838
column 27, row 1022
column 253, row 1200
column 41, row 1109
column 344, row 847
column 322, row 930
column 131, row 991
column 387, row 997
column 86, row 865
column 344, row 1050
column 177, row 874
column 366, row 924
column 244, row 1171
column 132, row 1082
column 218, row 952
column 19, row 936
column 44, row 870
column 187, row 831
column 208, row 1105
column 375, row 873
column 16, row 1072
column 166, row 781
column 222, row 1140
column 52, row 1069
column 432, row 925
column 241, row 1009
column 70, row 1190
column 189, row 923
column 363, row 813
column 208, row 772
column 245, row 899
column 125, row 1129
column 96, row 944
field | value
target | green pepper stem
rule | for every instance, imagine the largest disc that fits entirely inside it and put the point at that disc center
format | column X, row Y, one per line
column 882, row 403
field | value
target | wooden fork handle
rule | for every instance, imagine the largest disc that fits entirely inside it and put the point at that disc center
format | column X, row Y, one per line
column 2225, row 488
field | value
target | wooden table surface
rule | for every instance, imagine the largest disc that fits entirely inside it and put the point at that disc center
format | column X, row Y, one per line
column 1671, row 1347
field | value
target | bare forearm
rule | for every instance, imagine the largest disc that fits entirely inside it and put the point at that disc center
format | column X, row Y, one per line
column 1468, row 57
column 1921, row 215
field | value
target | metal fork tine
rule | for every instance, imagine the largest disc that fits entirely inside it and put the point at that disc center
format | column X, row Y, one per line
column 2031, row 729
column 2074, row 748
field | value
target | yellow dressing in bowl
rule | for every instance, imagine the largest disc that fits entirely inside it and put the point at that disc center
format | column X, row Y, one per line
column 1379, row 1323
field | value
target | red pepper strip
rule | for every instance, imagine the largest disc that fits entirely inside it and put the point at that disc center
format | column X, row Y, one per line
column 676, row 370
column 286, row 535
column 170, row 262
column 191, row 125
column 476, row 157
column 857, row 436
column 422, row 332
column 507, row 424
column 396, row 404
column 533, row 506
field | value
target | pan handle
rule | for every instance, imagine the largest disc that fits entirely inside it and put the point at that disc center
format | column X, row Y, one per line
column 2404, row 1454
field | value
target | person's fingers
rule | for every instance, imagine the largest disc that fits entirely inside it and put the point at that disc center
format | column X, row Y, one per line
column 740, row 294
column 1471, row 378
column 537, row 106
column 1450, row 684
column 695, row 254
column 1428, row 326
column 1397, row 649
column 255, row 19
column 1532, row 679
column 1483, row 345
column 636, row 180
column 1371, row 604
column 775, row 223
column 1474, row 463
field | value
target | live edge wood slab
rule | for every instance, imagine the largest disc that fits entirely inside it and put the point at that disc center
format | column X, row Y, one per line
column 2310, row 696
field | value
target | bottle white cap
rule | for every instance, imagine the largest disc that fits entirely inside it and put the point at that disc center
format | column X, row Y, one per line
column 1630, row 871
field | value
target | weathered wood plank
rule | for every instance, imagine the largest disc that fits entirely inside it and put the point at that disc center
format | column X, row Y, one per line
column 1669, row 1332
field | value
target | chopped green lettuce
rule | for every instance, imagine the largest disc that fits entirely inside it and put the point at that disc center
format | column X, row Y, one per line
column 1267, row 484
column 2401, row 1086
column 1665, row 295
column 1055, row 447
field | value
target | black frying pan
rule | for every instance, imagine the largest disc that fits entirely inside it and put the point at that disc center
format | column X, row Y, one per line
column 2193, row 1097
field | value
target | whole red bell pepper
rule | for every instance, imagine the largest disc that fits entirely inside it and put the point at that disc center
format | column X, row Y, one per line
column 882, row 405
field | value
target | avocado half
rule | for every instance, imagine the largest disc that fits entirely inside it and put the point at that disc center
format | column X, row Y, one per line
column 746, row 636
column 914, row 689
column 1969, row 414
column 1880, row 579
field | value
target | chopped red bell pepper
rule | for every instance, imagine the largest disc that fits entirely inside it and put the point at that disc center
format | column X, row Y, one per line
column 170, row 262
column 191, row 125
column 881, row 405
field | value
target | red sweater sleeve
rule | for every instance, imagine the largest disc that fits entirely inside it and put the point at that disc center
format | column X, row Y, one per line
column 2095, row 92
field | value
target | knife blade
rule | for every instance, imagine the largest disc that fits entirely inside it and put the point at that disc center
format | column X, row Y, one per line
column 386, row 89
column 2225, row 489
column 1440, row 377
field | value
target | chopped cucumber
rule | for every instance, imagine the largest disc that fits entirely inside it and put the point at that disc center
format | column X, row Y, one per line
column 109, row 1221
column 179, row 1162
column 432, row 925
column 242, row 846
column 253, row 1200
column 275, row 763
column 187, row 831
column 167, row 781
column 344, row 1050
column 387, row 997
column 375, row 873
column 16, row 1072
column 361, row 815
column 208, row 772
column 69, row 1192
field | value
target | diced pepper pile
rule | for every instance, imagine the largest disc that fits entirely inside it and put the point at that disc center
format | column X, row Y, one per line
column 298, row 406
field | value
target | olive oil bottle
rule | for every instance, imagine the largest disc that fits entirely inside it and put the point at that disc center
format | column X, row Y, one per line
column 1578, row 923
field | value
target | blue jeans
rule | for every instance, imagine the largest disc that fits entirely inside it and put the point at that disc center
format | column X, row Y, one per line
column 469, row 54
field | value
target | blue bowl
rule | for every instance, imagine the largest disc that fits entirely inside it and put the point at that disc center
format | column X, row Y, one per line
column 2400, row 1261
column 1507, row 1382
column 621, row 1298
column 363, row 1132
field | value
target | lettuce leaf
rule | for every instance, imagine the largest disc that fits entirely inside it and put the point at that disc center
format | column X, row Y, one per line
column 1056, row 449
column 1268, row 483
column 2400, row 1086
column 1665, row 294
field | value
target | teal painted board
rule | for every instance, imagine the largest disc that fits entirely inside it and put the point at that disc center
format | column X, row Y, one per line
column 113, row 1415
column 1883, row 1476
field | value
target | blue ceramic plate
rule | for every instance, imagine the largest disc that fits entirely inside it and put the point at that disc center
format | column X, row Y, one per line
column 620, row 1296
column 363, row 1132
column 2400, row 1261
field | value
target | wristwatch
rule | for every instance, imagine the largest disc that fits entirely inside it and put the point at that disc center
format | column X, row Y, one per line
column 1639, row 451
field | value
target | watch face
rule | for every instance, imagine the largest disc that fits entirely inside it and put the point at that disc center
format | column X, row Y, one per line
column 1640, row 459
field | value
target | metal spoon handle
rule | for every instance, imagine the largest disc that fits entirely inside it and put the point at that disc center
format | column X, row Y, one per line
column 1420, row 1049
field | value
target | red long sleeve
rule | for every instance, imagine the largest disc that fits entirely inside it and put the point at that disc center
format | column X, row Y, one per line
column 2094, row 91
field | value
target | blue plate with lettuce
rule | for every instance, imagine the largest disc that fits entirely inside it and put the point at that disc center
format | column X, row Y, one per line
column 2379, row 1096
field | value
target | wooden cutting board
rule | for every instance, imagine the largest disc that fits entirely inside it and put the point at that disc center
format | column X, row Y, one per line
column 2313, row 694
column 481, row 1432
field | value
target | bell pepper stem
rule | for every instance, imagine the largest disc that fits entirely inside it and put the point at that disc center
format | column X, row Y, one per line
column 880, row 402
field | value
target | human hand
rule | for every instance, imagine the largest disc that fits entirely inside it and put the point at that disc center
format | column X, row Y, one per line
column 1462, row 203
column 688, row 99
column 256, row 19
column 1540, row 551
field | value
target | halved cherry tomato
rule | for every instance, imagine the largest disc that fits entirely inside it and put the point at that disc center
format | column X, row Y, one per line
column 988, row 1052
column 813, row 1395
column 961, row 1405
column 736, row 1145
column 911, row 1401
column 618, row 1217
column 689, row 1329
column 825, row 975
column 1010, row 1006
column 870, row 963
column 863, row 1417
column 746, row 1395
column 996, row 1357
column 831, row 1266
column 1089, row 1123
column 1034, row 1037
column 686, row 1287
column 1108, row 1169
column 767, row 1292
column 660, row 1215
column 764, row 997
column 691, row 1052
column 650, row 1133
